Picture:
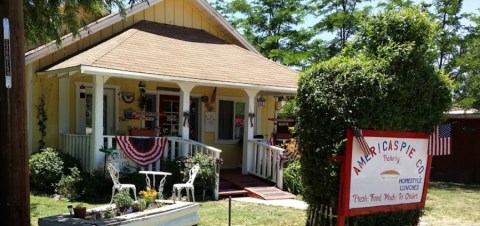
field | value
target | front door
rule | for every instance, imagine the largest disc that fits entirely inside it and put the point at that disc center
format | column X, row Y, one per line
column 169, row 124
column 85, row 116
column 169, row 120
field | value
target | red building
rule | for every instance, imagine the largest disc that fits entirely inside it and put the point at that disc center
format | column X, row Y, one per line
column 463, row 165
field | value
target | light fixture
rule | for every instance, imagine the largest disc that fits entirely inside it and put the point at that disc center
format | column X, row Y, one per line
column 261, row 101
column 82, row 92
column 280, row 102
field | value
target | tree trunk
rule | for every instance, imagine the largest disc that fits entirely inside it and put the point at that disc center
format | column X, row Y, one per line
column 14, row 179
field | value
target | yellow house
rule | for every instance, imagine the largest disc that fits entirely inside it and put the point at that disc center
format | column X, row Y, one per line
column 145, row 74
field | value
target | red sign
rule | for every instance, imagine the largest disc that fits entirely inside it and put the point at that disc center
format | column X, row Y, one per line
column 393, row 177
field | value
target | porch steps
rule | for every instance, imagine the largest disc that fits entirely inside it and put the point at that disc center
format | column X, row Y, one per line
column 254, row 186
column 228, row 189
column 232, row 192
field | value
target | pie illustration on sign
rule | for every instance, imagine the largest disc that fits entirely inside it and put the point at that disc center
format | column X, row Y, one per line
column 390, row 174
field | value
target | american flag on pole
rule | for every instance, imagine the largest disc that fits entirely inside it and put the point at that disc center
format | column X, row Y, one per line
column 440, row 140
column 361, row 141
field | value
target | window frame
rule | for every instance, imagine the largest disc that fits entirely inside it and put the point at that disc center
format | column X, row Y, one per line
column 217, row 115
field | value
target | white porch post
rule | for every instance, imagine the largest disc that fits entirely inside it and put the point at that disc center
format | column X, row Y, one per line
column 184, row 107
column 248, row 131
column 64, row 105
column 96, row 157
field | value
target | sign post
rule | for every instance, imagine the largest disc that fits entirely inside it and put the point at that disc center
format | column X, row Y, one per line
column 393, row 177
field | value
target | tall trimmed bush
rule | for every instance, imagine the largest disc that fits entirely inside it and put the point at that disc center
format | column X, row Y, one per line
column 46, row 169
column 386, row 80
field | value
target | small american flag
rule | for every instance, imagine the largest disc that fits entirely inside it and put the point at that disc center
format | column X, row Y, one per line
column 440, row 141
column 361, row 141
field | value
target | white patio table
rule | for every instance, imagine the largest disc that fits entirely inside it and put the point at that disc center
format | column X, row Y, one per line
column 155, row 173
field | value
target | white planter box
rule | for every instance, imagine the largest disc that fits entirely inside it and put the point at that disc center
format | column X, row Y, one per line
column 180, row 213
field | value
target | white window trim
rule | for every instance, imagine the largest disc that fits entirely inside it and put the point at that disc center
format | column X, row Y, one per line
column 217, row 105
column 90, row 85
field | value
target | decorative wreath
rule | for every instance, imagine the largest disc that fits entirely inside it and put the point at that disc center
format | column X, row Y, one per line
column 128, row 97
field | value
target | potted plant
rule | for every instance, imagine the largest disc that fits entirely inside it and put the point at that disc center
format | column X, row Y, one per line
column 79, row 211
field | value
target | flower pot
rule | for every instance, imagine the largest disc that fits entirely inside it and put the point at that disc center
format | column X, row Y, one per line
column 80, row 212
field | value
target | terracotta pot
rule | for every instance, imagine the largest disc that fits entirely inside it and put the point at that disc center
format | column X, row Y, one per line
column 80, row 212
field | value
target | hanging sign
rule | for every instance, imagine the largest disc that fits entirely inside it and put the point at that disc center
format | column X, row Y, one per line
column 394, row 177
column 7, row 53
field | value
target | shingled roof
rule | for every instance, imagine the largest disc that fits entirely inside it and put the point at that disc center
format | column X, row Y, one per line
column 176, row 53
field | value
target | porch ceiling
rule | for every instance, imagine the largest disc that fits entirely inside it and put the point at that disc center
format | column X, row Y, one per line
column 153, row 51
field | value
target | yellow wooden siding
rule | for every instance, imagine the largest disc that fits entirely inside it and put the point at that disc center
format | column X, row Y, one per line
column 170, row 12
column 150, row 14
column 179, row 12
column 159, row 10
column 188, row 15
column 107, row 32
column 139, row 17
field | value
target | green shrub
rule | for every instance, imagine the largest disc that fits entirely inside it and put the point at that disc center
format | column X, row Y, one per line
column 122, row 199
column 385, row 81
column 45, row 169
column 140, row 205
column 96, row 187
column 68, row 162
column 206, row 176
column 292, row 178
column 71, row 186
column 167, row 165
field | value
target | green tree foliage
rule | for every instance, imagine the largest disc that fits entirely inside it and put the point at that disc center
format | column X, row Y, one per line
column 274, row 28
column 387, row 81
column 49, row 20
column 466, row 68
column 447, row 14
column 342, row 18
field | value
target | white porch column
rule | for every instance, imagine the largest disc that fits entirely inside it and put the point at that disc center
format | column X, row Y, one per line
column 248, row 131
column 184, row 107
column 96, row 157
column 64, row 105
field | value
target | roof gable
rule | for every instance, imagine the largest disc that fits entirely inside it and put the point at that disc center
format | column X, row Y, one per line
column 189, row 13
column 149, row 50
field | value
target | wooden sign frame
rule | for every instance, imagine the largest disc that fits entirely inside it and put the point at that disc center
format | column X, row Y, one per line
column 344, row 209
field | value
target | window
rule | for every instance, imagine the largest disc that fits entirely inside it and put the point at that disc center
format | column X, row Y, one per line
column 231, row 117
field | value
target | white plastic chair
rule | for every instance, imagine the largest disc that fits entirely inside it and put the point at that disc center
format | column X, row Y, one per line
column 188, row 186
column 116, row 183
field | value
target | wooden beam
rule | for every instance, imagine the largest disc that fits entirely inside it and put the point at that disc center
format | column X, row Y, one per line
column 14, row 179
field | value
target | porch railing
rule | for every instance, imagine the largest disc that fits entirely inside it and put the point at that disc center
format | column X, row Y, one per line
column 266, row 161
column 79, row 147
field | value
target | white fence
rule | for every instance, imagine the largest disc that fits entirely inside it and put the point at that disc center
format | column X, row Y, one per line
column 77, row 146
column 266, row 161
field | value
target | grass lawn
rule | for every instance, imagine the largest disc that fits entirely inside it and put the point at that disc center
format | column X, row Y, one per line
column 216, row 213
column 452, row 204
column 41, row 206
column 447, row 204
